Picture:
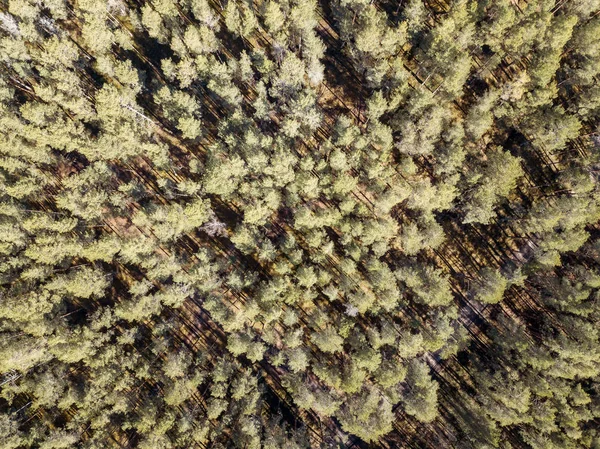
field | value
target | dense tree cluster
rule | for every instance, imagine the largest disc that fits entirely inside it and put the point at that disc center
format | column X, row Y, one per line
column 299, row 224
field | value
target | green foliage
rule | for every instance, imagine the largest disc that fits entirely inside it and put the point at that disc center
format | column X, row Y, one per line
column 327, row 340
column 491, row 184
column 420, row 398
column 490, row 286
column 297, row 224
column 367, row 414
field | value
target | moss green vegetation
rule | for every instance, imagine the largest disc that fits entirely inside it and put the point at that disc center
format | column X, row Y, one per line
column 248, row 224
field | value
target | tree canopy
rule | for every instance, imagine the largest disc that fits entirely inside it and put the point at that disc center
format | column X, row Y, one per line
column 299, row 224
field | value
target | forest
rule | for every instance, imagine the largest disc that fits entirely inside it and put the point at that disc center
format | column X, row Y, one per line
column 300, row 224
